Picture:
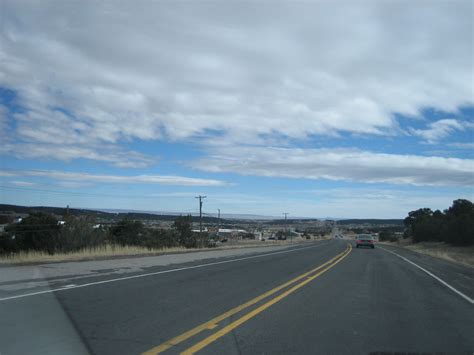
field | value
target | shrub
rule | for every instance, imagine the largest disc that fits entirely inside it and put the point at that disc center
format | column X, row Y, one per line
column 127, row 232
column 186, row 237
column 80, row 233
column 38, row 231
column 386, row 236
column 8, row 244
column 454, row 226
column 159, row 238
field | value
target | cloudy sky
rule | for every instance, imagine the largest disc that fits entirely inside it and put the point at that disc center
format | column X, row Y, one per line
column 319, row 108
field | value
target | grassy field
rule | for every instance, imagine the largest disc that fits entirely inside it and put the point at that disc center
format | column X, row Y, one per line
column 460, row 255
column 113, row 251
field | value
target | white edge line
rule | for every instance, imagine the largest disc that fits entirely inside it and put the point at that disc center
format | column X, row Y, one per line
column 467, row 298
column 69, row 287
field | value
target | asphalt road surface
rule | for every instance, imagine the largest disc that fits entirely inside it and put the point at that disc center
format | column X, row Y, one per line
column 320, row 298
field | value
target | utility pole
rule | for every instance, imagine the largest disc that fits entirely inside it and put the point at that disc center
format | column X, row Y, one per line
column 286, row 225
column 200, row 212
column 218, row 221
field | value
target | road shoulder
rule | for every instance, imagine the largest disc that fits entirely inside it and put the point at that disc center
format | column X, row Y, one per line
column 459, row 276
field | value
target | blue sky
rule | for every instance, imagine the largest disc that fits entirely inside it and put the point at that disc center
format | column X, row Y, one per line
column 340, row 109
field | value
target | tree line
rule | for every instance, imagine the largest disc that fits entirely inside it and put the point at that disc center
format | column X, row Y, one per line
column 454, row 225
column 42, row 232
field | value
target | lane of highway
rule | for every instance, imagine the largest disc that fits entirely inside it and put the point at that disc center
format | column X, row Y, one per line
column 42, row 284
column 116, row 316
column 269, row 297
column 362, row 301
column 372, row 302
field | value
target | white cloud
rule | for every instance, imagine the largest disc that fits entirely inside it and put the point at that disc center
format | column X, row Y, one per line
column 137, row 179
column 438, row 130
column 3, row 120
column 368, row 202
column 462, row 145
column 7, row 174
column 175, row 70
column 107, row 153
column 22, row 183
column 373, row 203
column 340, row 164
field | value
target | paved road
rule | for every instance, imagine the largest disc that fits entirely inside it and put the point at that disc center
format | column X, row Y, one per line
column 323, row 298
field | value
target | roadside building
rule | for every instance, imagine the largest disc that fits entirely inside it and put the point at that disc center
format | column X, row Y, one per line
column 231, row 233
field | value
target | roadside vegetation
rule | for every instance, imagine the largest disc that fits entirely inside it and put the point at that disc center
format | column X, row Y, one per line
column 453, row 226
column 447, row 234
column 42, row 237
column 457, row 254
column 106, row 251
column 42, row 233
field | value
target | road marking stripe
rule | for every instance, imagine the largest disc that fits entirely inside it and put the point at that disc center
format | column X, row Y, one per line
column 155, row 273
column 467, row 298
column 227, row 329
column 196, row 330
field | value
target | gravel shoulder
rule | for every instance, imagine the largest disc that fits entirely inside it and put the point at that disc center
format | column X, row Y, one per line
column 458, row 255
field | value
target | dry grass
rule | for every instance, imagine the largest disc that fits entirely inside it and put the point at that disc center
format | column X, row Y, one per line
column 114, row 251
column 459, row 255
column 106, row 251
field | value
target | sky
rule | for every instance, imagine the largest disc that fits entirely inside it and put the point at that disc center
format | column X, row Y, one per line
column 344, row 109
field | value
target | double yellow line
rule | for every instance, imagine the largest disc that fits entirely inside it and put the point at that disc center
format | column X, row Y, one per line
column 214, row 322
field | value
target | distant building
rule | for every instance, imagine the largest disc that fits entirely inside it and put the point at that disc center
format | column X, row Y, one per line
column 7, row 217
column 258, row 235
column 204, row 229
column 293, row 233
column 231, row 233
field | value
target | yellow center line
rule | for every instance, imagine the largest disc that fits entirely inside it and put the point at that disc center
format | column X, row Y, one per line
column 214, row 321
column 220, row 333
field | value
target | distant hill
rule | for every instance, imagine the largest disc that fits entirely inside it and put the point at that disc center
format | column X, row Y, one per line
column 291, row 221
column 171, row 216
column 396, row 222
column 101, row 214
column 55, row 210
